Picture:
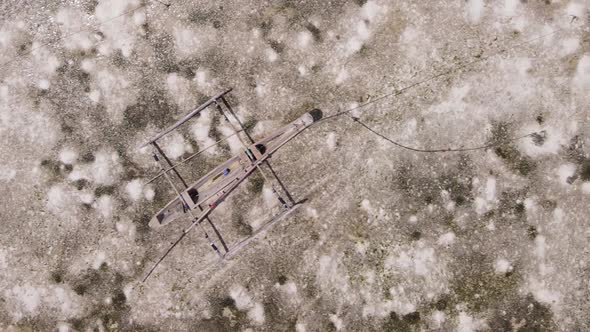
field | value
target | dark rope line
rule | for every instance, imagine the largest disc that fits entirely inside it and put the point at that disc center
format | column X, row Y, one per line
column 482, row 147
column 441, row 74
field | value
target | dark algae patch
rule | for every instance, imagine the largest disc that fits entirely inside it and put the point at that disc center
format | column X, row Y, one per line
column 477, row 285
column 233, row 320
column 514, row 159
column 395, row 322
column 522, row 314
column 426, row 188
column 100, row 284
column 511, row 205
column 255, row 183
column 585, row 170
column 152, row 106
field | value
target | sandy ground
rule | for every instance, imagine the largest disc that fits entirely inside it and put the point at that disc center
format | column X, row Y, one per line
column 387, row 239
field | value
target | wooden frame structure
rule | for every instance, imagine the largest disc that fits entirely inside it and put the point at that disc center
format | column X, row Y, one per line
column 199, row 199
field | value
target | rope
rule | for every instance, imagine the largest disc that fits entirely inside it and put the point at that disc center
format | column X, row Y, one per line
column 482, row 147
column 434, row 77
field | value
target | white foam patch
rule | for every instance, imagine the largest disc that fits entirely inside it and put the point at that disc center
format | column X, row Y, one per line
column 371, row 14
column 332, row 141
column 98, row 260
column 271, row 55
column 256, row 314
column 468, row 323
column 553, row 140
column 491, row 189
column 312, row 213
column 586, row 187
column 242, row 300
column 35, row 130
column 408, row 39
column 126, row 228
column 566, row 171
column 510, row 7
column 516, row 76
column 446, row 239
column 558, row 215
column 337, row 322
column 117, row 91
column 181, row 91
column 480, row 205
column 71, row 22
column 331, row 276
column 502, row 266
column 25, row 299
column 261, row 88
column 201, row 78
column 105, row 206
column 189, row 41
column 455, row 101
column 302, row 70
column 65, row 300
column 268, row 196
column 43, row 84
column 235, row 145
column 366, row 205
column 369, row 275
column 540, row 247
column 262, row 128
column 361, row 247
column 6, row 37
column 7, row 174
column 200, row 130
column 521, row 65
column 582, row 77
column 304, row 38
column 576, row 8
column 371, row 10
column 341, row 76
column 373, row 213
column 106, row 168
column 418, row 260
column 139, row 18
column 149, row 193
column 530, row 204
column 63, row 327
column 290, row 288
column 68, row 155
column 119, row 33
column 569, row 46
column 542, row 293
column 62, row 201
column 520, row 22
column 438, row 318
column 86, row 197
column 205, row 82
column 94, row 95
column 300, row 327
column 134, row 189
column 474, row 10
column 47, row 63
column 186, row 40
column 174, row 145
column 88, row 65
